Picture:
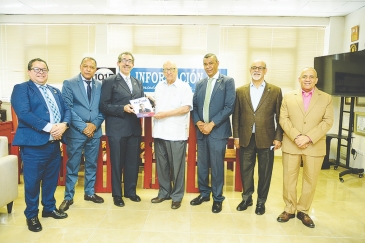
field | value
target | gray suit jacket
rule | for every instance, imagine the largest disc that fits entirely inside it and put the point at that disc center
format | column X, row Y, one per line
column 82, row 111
column 220, row 107
column 264, row 118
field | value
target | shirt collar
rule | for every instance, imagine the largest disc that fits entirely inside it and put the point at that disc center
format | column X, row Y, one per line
column 308, row 93
column 263, row 84
column 124, row 77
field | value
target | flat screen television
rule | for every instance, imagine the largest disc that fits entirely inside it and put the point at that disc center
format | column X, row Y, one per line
column 342, row 74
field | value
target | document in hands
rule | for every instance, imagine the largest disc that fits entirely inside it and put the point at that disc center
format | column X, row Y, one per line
column 142, row 107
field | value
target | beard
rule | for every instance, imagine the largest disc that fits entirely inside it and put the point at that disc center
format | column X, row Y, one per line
column 256, row 77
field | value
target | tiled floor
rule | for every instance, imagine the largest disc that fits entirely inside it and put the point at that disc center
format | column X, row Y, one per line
column 337, row 211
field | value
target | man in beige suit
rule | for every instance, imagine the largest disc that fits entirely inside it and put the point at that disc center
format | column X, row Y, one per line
column 306, row 115
column 255, row 132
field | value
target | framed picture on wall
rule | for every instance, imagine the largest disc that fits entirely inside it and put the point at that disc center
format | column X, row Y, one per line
column 360, row 101
column 359, row 123
column 355, row 33
column 347, row 100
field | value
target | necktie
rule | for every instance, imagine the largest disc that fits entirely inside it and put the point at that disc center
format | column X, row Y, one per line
column 52, row 105
column 208, row 94
column 129, row 83
column 88, row 89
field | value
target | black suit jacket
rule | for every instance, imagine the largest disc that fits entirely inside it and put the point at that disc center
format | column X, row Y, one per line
column 115, row 94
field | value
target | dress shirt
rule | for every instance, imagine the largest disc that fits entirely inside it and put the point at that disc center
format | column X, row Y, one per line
column 215, row 77
column 256, row 94
column 170, row 97
column 307, row 96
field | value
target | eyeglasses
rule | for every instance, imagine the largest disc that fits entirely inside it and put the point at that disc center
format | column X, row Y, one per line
column 38, row 70
column 169, row 70
column 127, row 60
column 258, row 68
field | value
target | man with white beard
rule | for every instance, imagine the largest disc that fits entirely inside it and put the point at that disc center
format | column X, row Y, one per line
column 256, row 132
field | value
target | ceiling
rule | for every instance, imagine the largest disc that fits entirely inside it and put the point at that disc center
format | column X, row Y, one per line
column 307, row 8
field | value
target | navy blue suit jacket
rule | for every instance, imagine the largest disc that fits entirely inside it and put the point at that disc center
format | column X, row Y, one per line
column 33, row 114
column 82, row 111
column 220, row 107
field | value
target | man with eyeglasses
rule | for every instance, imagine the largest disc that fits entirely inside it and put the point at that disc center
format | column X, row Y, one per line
column 82, row 95
column 123, row 128
column 213, row 103
column 257, row 132
column 306, row 116
column 43, row 117
column 173, row 101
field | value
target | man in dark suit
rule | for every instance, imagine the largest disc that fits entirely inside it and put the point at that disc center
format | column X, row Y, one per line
column 213, row 103
column 82, row 95
column 306, row 115
column 256, row 113
column 43, row 117
column 123, row 128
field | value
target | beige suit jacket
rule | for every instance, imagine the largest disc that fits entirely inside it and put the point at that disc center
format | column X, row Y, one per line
column 265, row 117
column 315, row 122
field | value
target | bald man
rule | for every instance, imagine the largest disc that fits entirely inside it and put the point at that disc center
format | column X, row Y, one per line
column 306, row 115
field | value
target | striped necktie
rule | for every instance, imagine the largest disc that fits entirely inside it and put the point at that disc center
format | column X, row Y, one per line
column 129, row 83
column 52, row 105
column 88, row 89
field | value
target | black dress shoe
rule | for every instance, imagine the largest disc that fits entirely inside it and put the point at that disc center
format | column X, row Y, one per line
column 65, row 205
column 260, row 209
column 94, row 198
column 118, row 201
column 175, row 205
column 217, row 207
column 56, row 214
column 244, row 204
column 34, row 224
column 159, row 200
column 306, row 220
column 199, row 200
column 135, row 198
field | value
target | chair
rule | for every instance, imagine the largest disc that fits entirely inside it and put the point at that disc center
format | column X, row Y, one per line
column 8, row 175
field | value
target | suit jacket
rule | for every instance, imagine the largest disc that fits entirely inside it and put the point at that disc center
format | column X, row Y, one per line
column 265, row 117
column 82, row 111
column 115, row 94
column 315, row 122
column 33, row 114
column 220, row 107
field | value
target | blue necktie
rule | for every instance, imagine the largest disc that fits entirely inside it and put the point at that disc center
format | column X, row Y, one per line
column 52, row 105
column 88, row 89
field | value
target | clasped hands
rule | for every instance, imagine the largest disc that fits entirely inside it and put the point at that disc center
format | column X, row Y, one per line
column 302, row 141
column 89, row 130
column 57, row 130
column 205, row 128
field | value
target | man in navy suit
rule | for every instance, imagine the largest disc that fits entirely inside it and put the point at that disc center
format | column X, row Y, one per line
column 213, row 103
column 123, row 128
column 82, row 95
column 43, row 117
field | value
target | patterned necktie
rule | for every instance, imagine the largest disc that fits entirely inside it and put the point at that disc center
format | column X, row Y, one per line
column 52, row 105
column 208, row 94
column 88, row 89
column 129, row 83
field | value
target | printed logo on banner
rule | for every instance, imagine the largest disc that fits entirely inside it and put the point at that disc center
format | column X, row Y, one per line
column 151, row 76
column 103, row 73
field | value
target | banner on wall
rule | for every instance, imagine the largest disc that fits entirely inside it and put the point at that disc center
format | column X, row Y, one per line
column 146, row 70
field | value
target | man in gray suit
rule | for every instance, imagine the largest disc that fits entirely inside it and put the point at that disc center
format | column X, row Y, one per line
column 82, row 94
column 213, row 103
column 257, row 109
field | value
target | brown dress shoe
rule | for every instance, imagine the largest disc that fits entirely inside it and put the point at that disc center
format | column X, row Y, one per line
column 175, row 205
column 284, row 217
column 306, row 220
